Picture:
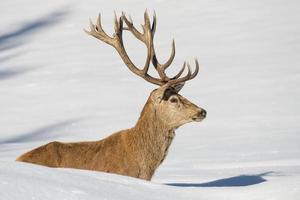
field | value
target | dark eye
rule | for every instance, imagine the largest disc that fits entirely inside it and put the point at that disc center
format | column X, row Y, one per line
column 173, row 100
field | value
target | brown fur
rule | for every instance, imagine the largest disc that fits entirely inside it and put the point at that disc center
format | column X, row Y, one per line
column 135, row 152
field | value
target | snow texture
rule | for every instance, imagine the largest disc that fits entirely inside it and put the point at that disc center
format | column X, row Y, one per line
column 59, row 84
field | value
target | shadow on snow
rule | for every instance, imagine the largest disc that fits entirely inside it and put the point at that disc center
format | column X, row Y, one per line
column 17, row 37
column 236, row 181
column 11, row 40
column 39, row 134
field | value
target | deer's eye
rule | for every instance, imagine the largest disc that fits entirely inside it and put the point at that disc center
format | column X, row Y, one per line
column 173, row 100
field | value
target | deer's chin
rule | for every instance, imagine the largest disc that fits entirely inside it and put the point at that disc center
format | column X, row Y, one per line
column 197, row 119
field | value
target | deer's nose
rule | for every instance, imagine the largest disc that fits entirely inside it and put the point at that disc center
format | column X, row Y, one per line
column 202, row 113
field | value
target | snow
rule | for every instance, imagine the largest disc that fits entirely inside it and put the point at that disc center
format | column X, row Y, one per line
column 59, row 84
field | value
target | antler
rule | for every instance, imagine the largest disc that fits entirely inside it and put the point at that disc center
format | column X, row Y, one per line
column 147, row 38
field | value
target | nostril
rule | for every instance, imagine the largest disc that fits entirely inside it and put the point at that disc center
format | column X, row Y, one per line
column 203, row 113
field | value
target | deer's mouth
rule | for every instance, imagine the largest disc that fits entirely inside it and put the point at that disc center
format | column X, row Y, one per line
column 197, row 119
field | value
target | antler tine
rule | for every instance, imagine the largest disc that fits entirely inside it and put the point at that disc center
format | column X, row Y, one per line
column 153, row 27
column 92, row 26
column 187, row 77
column 97, row 32
column 180, row 72
column 171, row 58
column 116, row 23
column 131, row 28
column 147, row 21
column 196, row 70
column 130, row 19
column 162, row 67
column 98, row 23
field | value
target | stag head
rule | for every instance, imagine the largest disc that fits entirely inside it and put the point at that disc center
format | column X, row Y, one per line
column 174, row 109
column 170, row 107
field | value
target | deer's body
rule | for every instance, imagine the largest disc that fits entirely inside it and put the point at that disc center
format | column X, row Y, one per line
column 135, row 152
column 138, row 151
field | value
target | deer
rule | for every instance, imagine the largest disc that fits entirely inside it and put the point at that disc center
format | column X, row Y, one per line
column 137, row 151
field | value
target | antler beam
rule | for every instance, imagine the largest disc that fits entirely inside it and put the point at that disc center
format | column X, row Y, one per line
column 146, row 37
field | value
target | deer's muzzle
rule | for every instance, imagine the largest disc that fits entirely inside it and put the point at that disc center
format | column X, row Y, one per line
column 200, row 115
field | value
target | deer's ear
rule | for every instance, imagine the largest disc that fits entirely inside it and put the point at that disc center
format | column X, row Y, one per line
column 159, row 94
column 167, row 93
column 178, row 87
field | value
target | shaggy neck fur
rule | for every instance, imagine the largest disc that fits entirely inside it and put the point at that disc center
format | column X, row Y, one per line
column 152, row 137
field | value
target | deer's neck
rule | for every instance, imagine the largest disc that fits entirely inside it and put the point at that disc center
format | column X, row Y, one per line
column 152, row 137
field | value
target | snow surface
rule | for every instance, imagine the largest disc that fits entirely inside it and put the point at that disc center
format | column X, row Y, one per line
column 59, row 84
